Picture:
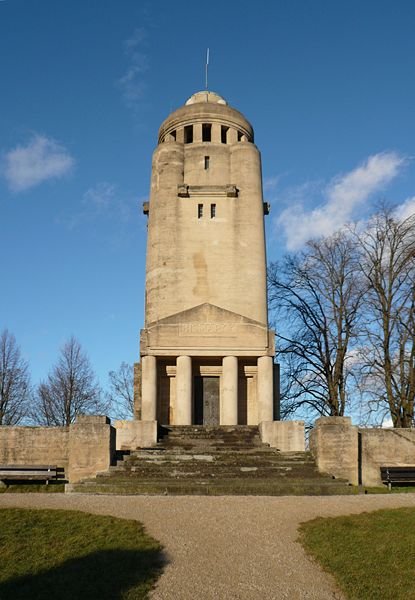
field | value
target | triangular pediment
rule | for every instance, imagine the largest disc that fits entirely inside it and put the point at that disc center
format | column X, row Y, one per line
column 206, row 313
column 205, row 329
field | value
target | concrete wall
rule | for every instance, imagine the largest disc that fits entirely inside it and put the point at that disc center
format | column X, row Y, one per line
column 287, row 436
column 334, row 442
column 334, row 445
column 91, row 447
column 385, row 447
column 131, row 435
column 82, row 449
column 34, row 445
column 192, row 260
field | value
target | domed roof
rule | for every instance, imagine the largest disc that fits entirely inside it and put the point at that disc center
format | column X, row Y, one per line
column 206, row 96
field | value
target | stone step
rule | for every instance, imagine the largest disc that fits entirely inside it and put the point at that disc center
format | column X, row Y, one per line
column 214, row 464
column 217, row 488
column 242, row 473
column 206, row 462
column 263, row 451
column 238, row 443
column 203, row 429
column 199, row 432
column 216, row 460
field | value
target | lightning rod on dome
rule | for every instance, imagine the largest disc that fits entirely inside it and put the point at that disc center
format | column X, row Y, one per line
column 206, row 71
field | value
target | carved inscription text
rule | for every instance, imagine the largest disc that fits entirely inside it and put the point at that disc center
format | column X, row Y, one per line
column 208, row 329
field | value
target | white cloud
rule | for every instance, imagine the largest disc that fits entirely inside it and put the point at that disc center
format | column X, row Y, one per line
column 41, row 159
column 100, row 195
column 343, row 195
column 406, row 209
column 106, row 203
column 131, row 83
column 270, row 183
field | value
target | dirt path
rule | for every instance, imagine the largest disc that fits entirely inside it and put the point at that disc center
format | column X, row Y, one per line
column 227, row 547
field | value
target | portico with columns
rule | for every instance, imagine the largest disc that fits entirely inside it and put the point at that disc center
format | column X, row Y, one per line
column 206, row 352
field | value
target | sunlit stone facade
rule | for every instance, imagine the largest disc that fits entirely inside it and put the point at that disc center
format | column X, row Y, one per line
column 206, row 352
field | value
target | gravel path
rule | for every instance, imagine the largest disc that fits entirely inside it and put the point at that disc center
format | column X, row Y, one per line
column 230, row 547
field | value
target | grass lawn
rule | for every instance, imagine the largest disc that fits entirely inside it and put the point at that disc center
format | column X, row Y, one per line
column 371, row 555
column 59, row 555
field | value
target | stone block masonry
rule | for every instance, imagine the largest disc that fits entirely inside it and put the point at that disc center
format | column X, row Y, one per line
column 356, row 454
column 286, row 436
column 206, row 350
column 82, row 449
column 34, row 445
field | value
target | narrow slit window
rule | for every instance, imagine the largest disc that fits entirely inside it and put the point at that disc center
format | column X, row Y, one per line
column 188, row 134
column 206, row 132
column 173, row 135
column 199, row 211
column 224, row 134
column 212, row 211
column 207, row 161
column 239, row 136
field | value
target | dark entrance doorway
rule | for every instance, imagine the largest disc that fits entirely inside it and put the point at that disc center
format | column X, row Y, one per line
column 206, row 400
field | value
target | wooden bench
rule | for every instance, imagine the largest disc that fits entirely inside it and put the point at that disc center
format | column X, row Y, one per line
column 29, row 472
column 403, row 474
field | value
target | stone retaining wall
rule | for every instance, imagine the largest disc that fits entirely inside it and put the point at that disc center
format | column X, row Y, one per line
column 34, row 445
column 334, row 443
column 286, row 436
column 82, row 449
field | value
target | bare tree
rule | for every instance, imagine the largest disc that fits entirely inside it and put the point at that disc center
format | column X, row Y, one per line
column 121, row 393
column 315, row 297
column 70, row 389
column 388, row 360
column 14, row 381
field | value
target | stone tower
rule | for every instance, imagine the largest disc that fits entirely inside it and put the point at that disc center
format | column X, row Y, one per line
column 206, row 350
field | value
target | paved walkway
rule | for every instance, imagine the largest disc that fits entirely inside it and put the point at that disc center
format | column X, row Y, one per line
column 227, row 548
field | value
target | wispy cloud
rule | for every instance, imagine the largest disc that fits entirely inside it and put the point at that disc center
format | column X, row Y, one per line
column 132, row 84
column 270, row 183
column 342, row 196
column 100, row 195
column 105, row 203
column 42, row 158
column 406, row 209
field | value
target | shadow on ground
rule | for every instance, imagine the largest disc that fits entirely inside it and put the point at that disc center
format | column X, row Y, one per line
column 104, row 575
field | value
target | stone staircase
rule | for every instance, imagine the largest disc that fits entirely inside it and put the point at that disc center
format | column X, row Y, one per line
column 212, row 461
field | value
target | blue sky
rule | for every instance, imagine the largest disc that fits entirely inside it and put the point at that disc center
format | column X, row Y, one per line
column 329, row 87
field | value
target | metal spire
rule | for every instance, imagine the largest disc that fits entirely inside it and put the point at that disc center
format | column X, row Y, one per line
column 207, row 65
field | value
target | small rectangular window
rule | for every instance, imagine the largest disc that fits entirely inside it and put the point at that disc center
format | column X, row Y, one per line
column 224, row 134
column 199, row 211
column 206, row 132
column 207, row 159
column 212, row 211
column 188, row 134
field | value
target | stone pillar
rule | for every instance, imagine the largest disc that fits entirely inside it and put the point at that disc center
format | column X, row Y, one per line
column 230, row 390
column 180, row 135
column 183, row 412
column 334, row 443
column 91, row 447
column 232, row 135
column 148, row 388
column 265, row 391
column 197, row 132
column 216, row 133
